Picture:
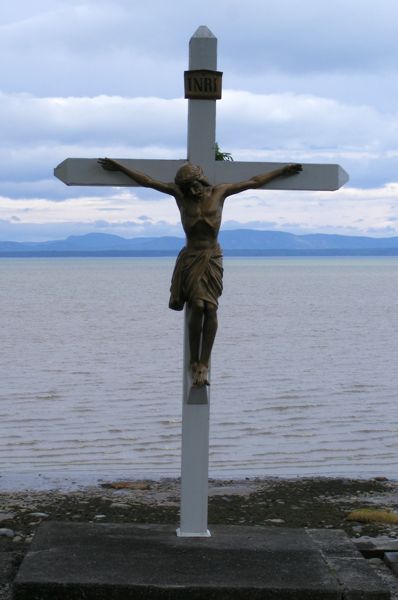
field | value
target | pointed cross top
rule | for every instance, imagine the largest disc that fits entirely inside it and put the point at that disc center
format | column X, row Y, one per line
column 203, row 49
column 203, row 32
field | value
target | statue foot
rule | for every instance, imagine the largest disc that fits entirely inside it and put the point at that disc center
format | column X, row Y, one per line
column 200, row 373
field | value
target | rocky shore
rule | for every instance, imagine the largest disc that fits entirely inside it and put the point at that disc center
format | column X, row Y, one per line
column 309, row 502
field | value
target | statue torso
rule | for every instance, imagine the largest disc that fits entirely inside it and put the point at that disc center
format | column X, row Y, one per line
column 201, row 218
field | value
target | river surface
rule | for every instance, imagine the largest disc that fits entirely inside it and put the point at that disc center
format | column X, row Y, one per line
column 304, row 369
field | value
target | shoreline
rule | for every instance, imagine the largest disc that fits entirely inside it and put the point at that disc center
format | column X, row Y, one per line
column 55, row 482
column 293, row 502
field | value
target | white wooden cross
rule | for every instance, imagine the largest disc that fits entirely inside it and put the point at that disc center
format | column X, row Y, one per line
column 201, row 151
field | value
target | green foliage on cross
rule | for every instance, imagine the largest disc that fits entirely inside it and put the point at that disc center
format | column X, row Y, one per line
column 221, row 155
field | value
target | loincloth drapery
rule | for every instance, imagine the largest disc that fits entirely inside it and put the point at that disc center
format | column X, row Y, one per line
column 197, row 276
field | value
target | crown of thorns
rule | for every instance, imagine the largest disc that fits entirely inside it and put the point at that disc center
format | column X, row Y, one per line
column 189, row 173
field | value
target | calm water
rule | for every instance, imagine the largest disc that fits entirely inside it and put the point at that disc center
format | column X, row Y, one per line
column 304, row 373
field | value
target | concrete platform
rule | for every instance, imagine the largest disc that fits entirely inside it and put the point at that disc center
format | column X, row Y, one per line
column 78, row 561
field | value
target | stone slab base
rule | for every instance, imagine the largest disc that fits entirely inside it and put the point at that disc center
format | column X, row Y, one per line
column 79, row 561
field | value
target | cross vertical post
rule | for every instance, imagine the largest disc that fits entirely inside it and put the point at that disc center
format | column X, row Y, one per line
column 195, row 404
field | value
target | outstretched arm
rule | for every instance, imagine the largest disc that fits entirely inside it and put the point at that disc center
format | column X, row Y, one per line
column 109, row 164
column 259, row 180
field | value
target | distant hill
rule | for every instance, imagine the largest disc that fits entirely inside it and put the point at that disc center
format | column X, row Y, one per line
column 236, row 242
column 250, row 239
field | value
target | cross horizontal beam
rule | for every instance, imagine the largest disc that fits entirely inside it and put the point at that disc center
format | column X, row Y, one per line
column 87, row 172
column 328, row 177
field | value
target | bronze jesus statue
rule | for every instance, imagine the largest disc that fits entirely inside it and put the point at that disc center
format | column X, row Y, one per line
column 198, row 272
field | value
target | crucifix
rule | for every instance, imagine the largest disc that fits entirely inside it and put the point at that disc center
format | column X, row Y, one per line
column 200, row 185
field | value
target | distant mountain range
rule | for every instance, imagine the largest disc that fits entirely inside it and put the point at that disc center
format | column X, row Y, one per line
column 239, row 242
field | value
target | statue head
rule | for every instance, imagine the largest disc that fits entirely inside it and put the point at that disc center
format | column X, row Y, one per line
column 189, row 173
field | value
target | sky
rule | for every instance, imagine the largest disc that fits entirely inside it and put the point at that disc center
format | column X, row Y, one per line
column 304, row 81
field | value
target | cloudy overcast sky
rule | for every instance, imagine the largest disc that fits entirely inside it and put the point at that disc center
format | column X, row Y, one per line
column 306, row 81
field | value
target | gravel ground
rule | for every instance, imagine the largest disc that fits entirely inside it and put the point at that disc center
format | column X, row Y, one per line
column 312, row 502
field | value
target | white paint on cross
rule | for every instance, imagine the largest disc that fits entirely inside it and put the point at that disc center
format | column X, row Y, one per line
column 201, row 151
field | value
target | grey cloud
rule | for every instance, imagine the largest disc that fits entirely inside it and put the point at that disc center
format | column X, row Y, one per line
column 110, row 209
column 40, row 133
column 49, row 189
column 378, row 88
column 95, row 77
column 101, row 119
column 315, row 36
column 115, row 47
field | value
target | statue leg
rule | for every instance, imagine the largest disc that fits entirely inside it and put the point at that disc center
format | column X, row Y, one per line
column 200, row 369
column 195, row 325
column 210, row 325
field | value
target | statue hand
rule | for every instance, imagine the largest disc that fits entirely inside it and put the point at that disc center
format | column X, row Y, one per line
column 109, row 164
column 293, row 169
